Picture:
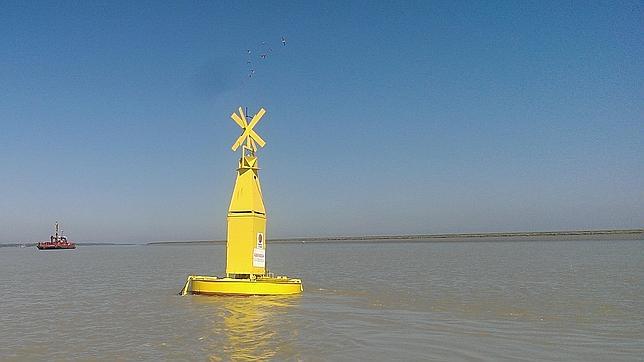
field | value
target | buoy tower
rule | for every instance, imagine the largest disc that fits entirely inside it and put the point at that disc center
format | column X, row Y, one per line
column 246, row 246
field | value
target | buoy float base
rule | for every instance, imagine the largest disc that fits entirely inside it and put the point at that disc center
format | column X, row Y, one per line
column 264, row 285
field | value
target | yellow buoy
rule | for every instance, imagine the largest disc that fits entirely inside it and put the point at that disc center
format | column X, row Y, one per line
column 246, row 245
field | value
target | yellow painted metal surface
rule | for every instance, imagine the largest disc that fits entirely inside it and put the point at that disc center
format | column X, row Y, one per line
column 246, row 271
column 199, row 284
column 244, row 231
column 246, row 235
column 249, row 136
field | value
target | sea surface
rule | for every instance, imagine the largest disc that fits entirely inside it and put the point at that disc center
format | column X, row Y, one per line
column 462, row 301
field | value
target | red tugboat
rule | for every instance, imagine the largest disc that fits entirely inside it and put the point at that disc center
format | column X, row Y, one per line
column 56, row 241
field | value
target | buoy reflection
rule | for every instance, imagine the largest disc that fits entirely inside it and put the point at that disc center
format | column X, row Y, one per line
column 254, row 328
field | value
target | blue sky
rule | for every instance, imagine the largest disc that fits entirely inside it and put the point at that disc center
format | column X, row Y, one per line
column 415, row 117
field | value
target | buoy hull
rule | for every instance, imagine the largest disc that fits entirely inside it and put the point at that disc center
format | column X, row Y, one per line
column 197, row 284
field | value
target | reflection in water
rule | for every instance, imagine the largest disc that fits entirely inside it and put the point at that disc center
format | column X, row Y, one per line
column 251, row 326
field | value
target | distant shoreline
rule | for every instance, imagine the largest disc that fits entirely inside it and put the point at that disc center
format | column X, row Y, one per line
column 629, row 234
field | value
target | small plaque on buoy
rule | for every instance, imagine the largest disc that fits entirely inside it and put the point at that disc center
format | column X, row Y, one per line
column 260, row 240
column 259, row 258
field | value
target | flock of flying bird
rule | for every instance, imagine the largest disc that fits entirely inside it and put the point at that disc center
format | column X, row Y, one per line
column 258, row 55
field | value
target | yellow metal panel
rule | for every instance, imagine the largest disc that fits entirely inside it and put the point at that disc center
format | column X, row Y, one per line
column 247, row 193
column 246, row 219
column 264, row 286
column 242, row 240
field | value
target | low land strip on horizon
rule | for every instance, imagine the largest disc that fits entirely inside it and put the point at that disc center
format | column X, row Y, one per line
column 628, row 234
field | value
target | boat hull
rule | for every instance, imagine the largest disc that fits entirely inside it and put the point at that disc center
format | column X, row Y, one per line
column 55, row 247
column 208, row 285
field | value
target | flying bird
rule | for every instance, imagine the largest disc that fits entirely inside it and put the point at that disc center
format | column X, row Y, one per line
column 263, row 49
